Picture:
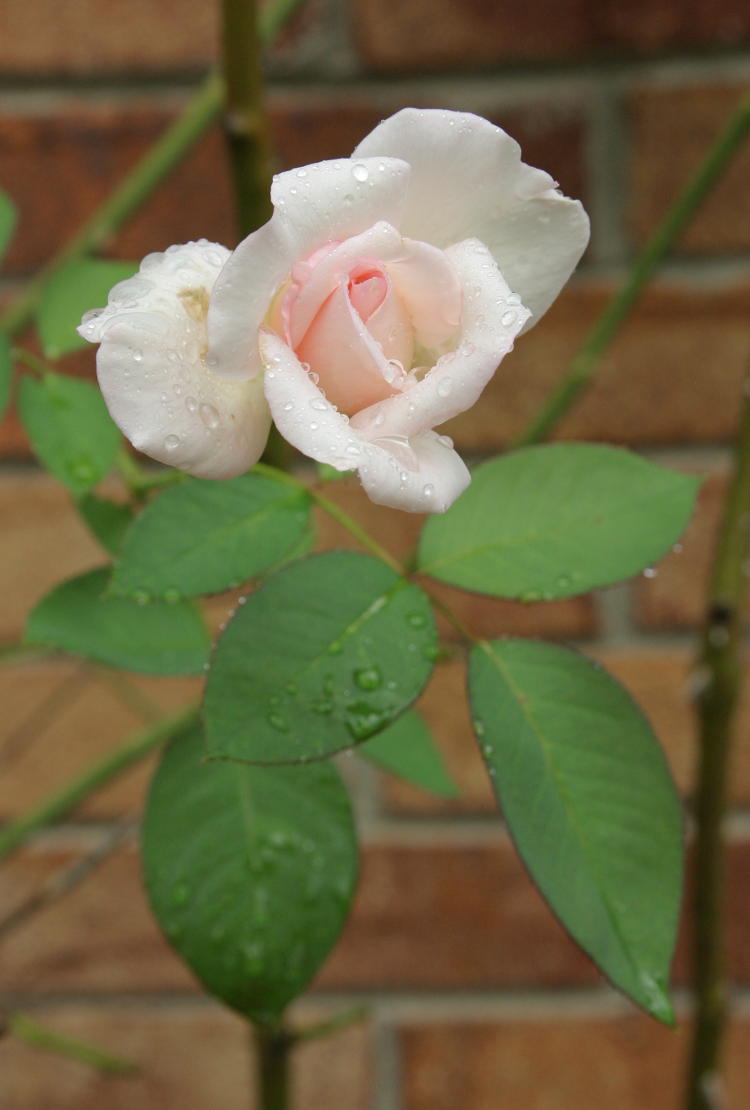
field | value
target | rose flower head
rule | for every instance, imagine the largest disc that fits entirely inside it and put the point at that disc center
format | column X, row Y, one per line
column 374, row 305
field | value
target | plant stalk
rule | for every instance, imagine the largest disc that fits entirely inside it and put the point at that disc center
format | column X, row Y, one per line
column 719, row 681
column 245, row 120
column 273, row 1045
column 584, row 363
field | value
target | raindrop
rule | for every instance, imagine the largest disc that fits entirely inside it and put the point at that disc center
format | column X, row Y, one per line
column 514, row 298
column 277, row 722
column 444, row 387
column 209, row 416
column 319, row 405
column 428, row 490
column 416, row 620
column 191, row 404
column 289, row 406
column 142, row 597
column 508, row 318
column 137, row 355
column 650, row 572
column 360, row 171
column 171, row 443
column 172, row 595
column 368, row 678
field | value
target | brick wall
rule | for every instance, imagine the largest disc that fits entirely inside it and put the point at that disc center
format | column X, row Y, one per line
column 478, row 998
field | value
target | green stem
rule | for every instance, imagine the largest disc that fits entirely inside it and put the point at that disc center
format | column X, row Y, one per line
column 166, row 153
column 336, row 513
column 57, row 805
column 719, row 675
column 332, row 1025
column 26, row 1029
column 244, row 119
column 273, row 1045
column 139, row 481
column 584, row 363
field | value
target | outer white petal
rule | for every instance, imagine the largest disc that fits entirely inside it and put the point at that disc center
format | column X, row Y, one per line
column 431, row 479
column 468, row 180
column 491, row 319
column 440, row 478
column 314, row 205
column 152, row 337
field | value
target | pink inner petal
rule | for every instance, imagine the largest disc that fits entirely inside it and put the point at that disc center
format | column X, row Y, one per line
column 367, row 290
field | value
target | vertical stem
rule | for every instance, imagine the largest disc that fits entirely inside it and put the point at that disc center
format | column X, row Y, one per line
column 273, row 1046
column 245, row 120
column 720, row 678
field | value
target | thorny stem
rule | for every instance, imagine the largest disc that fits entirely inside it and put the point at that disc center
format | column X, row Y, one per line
column 57, row 805
column 719, row 678
column 584, row 363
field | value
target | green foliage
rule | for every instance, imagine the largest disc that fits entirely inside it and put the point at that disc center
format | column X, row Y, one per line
column 72, row 290
column 406, row 749
column 158, row 638
column 590, row 803
column 6, row 374
column 250, row 872
column 550, row 522
column 8, row 218
column 70, row 429
column 325, row 654
column 201, row 537
column 107, row 520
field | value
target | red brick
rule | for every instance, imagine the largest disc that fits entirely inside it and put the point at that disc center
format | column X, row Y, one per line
column 671, row 131
column 465, row 33
column 59, row 718
column 571, row 1060
column 137, row 37
column 428, row 916
column 192, row 1056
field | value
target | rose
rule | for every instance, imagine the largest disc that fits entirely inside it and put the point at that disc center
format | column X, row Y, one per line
column 375, row 305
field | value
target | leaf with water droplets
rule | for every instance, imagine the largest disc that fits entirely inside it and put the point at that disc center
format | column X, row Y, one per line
column 352, row 640
column 589, row 801
column 150, row 638
column 250, row 872
column 200, row 537
column 74, row 289
column 406, row 749
column 70, row 430
column 554, row 521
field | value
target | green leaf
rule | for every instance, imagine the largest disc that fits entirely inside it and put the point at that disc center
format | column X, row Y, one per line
column 406, row 749
column 158, row 638
column 8, row 219
column 201, row 537
column 107, row 520
column 250, row 872
column 70, row 429
column 587, row 795
column 326, row 653
column 73, row 290
column 553, row 521
column 6, row 374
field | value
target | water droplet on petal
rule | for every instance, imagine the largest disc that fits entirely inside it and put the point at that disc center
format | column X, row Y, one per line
column 428, row 490
column 171, row 443
column 508, row 318
column 360, row 171
column 444, row 387
column 191, row 404
column 209, row 416
column 137, row 355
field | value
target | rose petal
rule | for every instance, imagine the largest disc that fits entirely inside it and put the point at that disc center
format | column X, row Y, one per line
column 154, row 380
column 381, row 242
column 427, row 283
column 341, row 351
column 440, row 478
column 317, row 429
column 490, row 322
column 323, row 203
column 467, row 181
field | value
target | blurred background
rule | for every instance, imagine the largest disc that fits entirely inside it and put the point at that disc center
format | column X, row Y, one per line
column 478, row 998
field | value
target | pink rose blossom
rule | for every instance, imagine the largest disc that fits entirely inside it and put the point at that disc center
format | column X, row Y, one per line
column 374, row 305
